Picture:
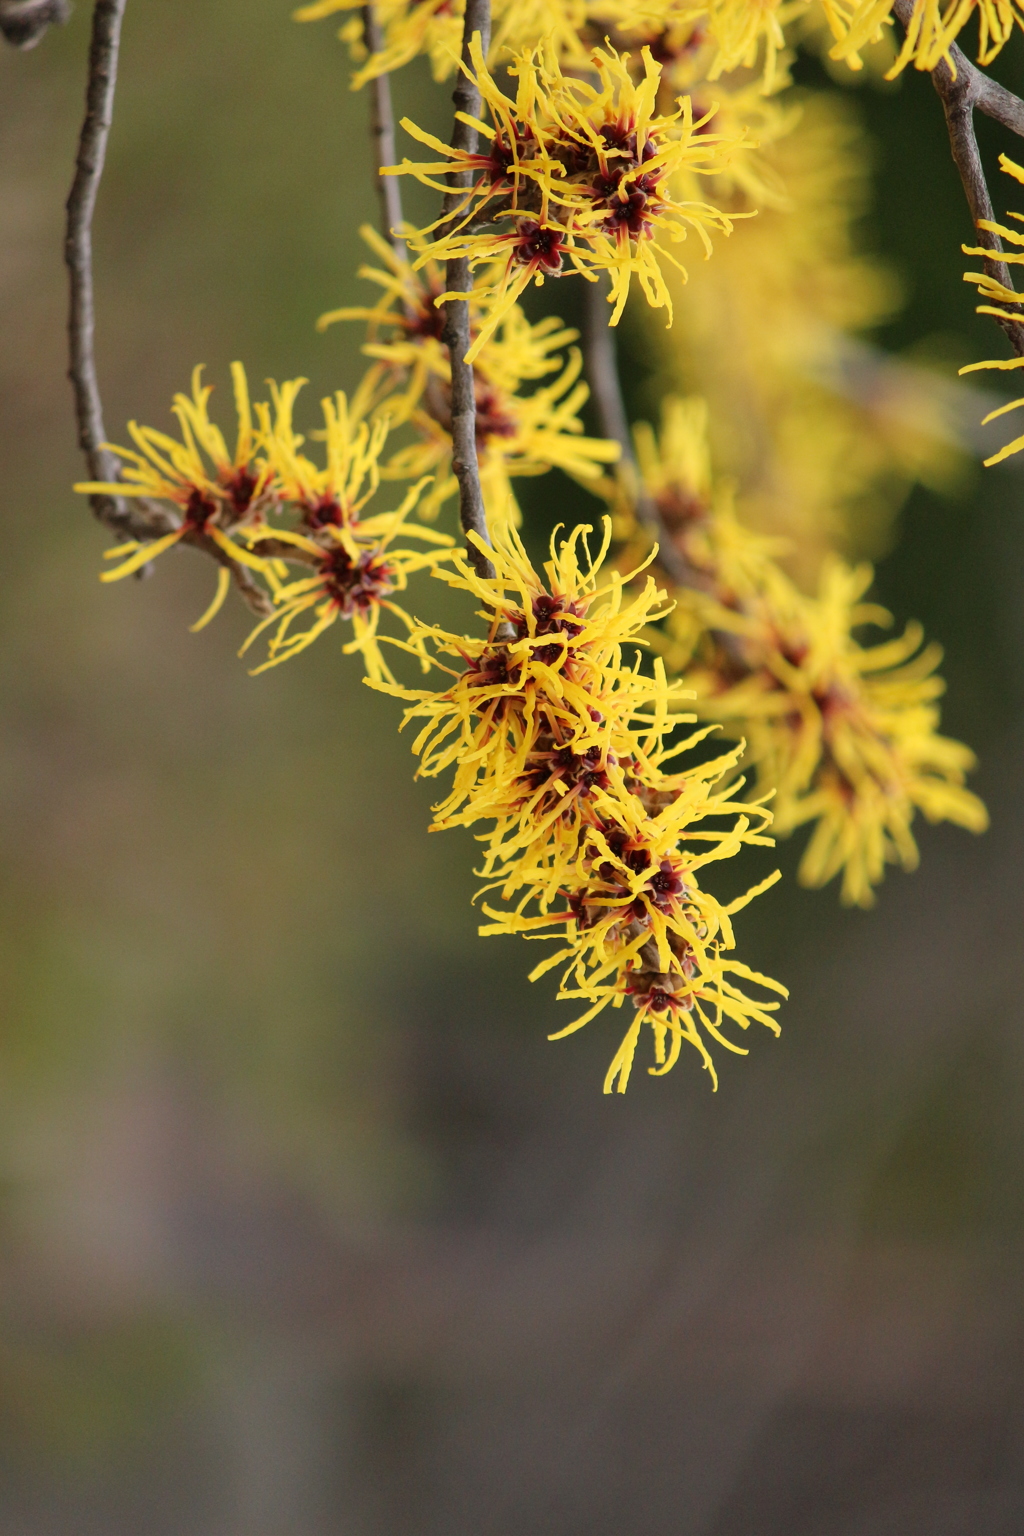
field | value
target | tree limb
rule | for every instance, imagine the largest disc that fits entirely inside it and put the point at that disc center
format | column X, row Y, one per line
column 456, row 336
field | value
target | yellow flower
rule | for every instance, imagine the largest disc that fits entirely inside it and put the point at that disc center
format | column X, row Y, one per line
column 845, row 734
column 434, row 27
column 356, row 562
column 848, row 733
column 410, row 27
column 351, row 472
column 728, row 34
column 215, row 492
column 1000, row 296
column 579, row 174
column 558, row 739
column 518, row 433
column 933, row 28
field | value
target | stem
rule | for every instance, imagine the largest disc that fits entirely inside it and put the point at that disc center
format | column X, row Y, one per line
column 114, row 511
column 960, row 93
column 458, row 279
column 382, row 128
column 599, row 354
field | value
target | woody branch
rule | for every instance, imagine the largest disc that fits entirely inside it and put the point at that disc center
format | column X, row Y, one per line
column 466, row 97
column 382, row 129
column 118, row 514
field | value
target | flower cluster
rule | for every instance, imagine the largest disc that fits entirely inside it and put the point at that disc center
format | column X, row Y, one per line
column 214, row 493
column 751, row 34
column 559, row 740
column 577, row 174
column 733, row 34
column 844, row 733
column 627, row 129
column 225, row 503
column 736, row 33
column 519, row 430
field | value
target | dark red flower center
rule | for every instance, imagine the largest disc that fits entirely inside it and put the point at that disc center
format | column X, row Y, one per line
column 665, row 884
column 537, row 245
column 322, row 513
column 582, row 771
column 199, row 509
column 491, row 669
column 240, row 486
column 628, row 214
column 356, row 586
column 429, row 318
column 552, row 616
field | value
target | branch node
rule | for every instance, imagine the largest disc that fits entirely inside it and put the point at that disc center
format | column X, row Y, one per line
column 23, row 22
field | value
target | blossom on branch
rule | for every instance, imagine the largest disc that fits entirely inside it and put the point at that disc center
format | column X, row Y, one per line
column 216, row 494
column 999, row 297
column 358, row 561
column 844, row 733
column 434, row 28
column 559, row 740
column 577, row 175
column 519, row 430
column 930, row 33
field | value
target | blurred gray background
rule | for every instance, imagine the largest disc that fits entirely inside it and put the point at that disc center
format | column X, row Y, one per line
column 305, row 1229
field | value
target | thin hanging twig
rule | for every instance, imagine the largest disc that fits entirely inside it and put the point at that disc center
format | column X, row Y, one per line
column 456, row 336
column 382, row 128
column 81, row 204
column 118, row 514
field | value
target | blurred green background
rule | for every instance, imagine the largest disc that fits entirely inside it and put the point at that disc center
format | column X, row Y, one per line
column 304, row 1226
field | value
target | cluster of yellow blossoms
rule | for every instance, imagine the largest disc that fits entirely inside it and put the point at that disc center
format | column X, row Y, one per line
column 520, row 430
column 578, row 174
column 225, row 504
column 622, row 129
column 742, row 33
column 558, row 739
column 843, row 733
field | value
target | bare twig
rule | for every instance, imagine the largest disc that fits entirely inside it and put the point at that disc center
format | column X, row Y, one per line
column 118, row 514
column 382, row 127
column 23, row 22
column 599, row 353
column 472, row 514
column 962, row 89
